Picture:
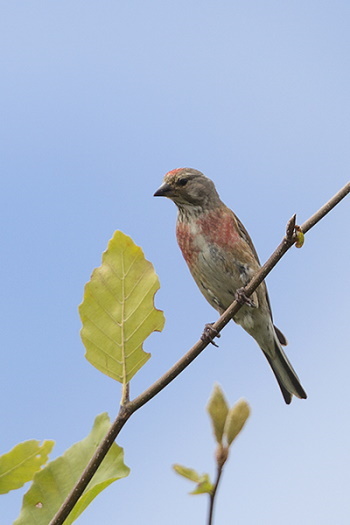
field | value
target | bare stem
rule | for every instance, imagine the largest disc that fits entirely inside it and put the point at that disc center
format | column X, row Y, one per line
column 213, row 494
column 129, row 407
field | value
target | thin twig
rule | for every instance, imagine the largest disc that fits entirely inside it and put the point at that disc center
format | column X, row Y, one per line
column 316, row 217
column 213, row 494
column 131, row 406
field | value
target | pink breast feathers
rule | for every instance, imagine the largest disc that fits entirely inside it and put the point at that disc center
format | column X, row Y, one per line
column 219, row 227
column 187, row 242
column 216, row 227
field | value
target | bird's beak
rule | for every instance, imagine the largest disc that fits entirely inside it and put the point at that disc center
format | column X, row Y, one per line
column 164, row 191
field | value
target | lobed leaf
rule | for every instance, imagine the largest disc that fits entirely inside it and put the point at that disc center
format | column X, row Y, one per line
column 20, row 464
column 118, row 311
column 53, row 483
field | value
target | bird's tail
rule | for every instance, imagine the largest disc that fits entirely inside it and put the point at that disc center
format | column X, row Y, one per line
column 286, row 376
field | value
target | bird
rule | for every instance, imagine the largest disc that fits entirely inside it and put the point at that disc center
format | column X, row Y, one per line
column 222, row 260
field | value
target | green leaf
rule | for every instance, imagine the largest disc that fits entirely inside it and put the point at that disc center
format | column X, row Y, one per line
column 188, row 473
column 20, row 464
column 53, row 483
column 118, row 311
column 236, row 419
column 218, row 410
column 204, row 486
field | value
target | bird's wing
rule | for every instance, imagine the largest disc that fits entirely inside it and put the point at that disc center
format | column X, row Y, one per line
column 243, row 232
column 245, row 235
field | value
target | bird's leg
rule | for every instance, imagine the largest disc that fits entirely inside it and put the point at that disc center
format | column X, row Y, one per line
column 209, row 333
column 241, row 298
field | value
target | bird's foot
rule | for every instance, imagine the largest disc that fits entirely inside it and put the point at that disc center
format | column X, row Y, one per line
column 209, row 333
column 241, row 298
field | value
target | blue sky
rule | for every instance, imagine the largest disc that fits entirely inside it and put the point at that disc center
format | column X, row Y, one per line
column 99, row 100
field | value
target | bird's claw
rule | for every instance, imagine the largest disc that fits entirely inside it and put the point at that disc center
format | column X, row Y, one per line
column 209, row 333
column 241, row 298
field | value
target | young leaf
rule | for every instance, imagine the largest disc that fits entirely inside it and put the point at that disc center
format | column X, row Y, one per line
column 52, row 484
column 188, row 473
column 236, row 419
column 218, row 410
column 118, row 311
column 204, row 486
column 20, row 464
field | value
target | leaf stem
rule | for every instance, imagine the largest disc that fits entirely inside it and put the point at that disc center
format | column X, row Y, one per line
column 125, row 394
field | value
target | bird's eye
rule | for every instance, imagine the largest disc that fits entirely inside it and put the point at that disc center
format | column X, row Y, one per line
column 182, row 182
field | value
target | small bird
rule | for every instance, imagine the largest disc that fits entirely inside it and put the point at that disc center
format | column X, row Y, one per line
column 222, row 259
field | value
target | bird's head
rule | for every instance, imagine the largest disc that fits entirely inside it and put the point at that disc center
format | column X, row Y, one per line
column 188, row 187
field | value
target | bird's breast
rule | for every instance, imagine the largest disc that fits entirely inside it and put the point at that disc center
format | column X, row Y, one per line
column 188, row 238
column 215, row 273
column 207, row 233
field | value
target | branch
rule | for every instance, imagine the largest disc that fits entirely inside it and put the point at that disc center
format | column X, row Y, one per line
column 127, row 409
